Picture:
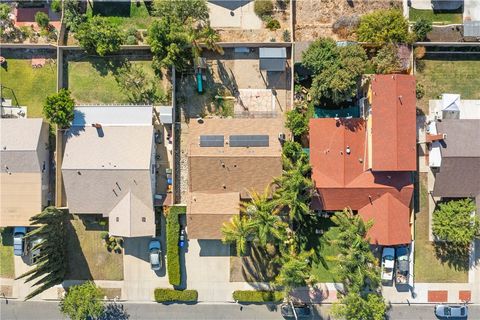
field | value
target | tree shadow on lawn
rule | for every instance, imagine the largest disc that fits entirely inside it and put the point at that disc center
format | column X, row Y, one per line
column 114, row 311
column 107, row 65
column 454, row 256
column 77, row 266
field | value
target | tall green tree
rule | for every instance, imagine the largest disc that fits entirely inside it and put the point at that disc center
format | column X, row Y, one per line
column 41, row 18
column 387, row 61
column 455, row 222
column 384, row 26
column 421, row 28
column 295, row 272
column 51, row 266
column 184, row 11
column 239, row 230
column 58, row 108
column 82, row 301
column 265, row 218
column 4, row 12
column 99, row 36
column 355, row 306
column 297, row 122
column 138, row 86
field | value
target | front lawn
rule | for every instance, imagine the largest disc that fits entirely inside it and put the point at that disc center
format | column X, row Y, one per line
column 26, row 85
column 7, row 269
column 88, row 258
column 92, row 79
column 435, row 17
column 448, row 73
column 323, row 268
column 125, row 14
column 428, row 268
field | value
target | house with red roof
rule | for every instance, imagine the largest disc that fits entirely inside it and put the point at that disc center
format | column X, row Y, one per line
column 366, row 163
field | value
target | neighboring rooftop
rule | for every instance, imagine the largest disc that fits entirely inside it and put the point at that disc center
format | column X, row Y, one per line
column 112, row 115
column 20, row 134
column 452, row 103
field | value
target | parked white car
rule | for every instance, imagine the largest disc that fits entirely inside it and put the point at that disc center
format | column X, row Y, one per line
column 458, row 312
column 388, row 264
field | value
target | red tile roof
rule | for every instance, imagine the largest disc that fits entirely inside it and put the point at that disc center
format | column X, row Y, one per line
column 393, row 123
column 391, row 220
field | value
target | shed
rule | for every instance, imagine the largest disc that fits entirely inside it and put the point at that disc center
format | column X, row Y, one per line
column 273, row 59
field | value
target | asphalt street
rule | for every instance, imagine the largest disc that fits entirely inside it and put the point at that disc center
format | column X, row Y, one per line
column 19, row 310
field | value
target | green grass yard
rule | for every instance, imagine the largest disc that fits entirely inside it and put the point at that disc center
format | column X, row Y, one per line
column 7, row 269
column 448, row 73
column 92, row 80
column 124, row 14
column 323, row 270
column 435, row 17
column 428, row 268
column 26, row 85
column 88, row 258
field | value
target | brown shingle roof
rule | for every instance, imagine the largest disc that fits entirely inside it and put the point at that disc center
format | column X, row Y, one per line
column 393, row 123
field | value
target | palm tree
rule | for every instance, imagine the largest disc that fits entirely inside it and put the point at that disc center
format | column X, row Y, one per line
column 264, row 214
column 239, row 230
column 211, row 38
column 295, row 272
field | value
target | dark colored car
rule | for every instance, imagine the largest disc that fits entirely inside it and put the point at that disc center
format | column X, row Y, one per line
column 295, row 311
column 181, row 241
column 402, row 265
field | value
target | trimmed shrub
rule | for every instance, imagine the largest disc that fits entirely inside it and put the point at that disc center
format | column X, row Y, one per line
column 419, row 91
column 131, row 41
column 257, row 296
column 421, row 28
column 172, row 295
column 273, row 24
column 286, row 36
column 41, row 18
column 173, row 234
column 263, row 8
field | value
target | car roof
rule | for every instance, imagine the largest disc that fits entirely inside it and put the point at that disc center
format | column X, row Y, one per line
column 154, row 258
column 388, row 252
column 402, row 251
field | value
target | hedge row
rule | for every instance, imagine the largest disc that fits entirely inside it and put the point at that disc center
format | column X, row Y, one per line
column 173, row 234
column 172, row 295
column 257, row 296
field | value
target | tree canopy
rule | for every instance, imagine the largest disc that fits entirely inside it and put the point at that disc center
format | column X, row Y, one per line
column 58, row 108
column 182, row 10
column 354, row 306
column 297, row 122
column 384, row 26
column 454, row 222
column 51, row 266
column 421, row 27
column 387, row 61
column 99, row 36
column 336, row 70
column 82, row 301
column 4, row 11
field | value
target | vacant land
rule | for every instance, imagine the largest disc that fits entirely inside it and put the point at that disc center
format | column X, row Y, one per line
column 7, row 269
column 435, row 17
column 25, row 85
column 125, row 14
column 314, row 19
column 448, row 73
column 428, row 268
column 88, row 258
column 92, row 79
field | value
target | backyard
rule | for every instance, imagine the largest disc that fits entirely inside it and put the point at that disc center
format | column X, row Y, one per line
column 26, row 85
column 448, row 73
column 125, row 14
column 88, row 258
column 7, row 269
column 428, row 267
column 92, row 80
column 436, row 17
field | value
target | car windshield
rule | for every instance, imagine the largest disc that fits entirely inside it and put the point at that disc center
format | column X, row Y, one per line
column 389, row 257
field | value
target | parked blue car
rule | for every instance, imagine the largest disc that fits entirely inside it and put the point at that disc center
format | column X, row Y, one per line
column 18, row 243
column 181, row 242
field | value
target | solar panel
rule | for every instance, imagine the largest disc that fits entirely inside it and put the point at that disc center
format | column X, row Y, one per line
column 249, row 141
column 211, row 141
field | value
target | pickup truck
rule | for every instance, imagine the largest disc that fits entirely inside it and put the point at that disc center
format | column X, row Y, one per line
column 403, row 265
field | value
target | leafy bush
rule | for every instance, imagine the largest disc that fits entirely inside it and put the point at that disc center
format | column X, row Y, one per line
column 421, row 27
column 286, row 36
column 172, row 295
column 387, row 61
column 56, row 5
column 384, row 26
column 419, row 91
column 131, row 41
column 297, row 122
column 58, row 108
column 173, row 234
column 104, row 235
column 273, row 24
column 99, row 36
column 41, row 18
column 257, row 296
column 263, row 8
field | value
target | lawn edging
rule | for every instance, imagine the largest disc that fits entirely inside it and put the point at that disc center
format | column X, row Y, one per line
column 260, row 296
column 173, row 235
column 172, row 295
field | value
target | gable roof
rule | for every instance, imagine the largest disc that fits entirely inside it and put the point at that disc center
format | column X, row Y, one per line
column 393, row 123
column 391, row 221
column 132, row 217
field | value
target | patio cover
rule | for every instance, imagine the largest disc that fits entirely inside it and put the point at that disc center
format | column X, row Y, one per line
column 273, row 59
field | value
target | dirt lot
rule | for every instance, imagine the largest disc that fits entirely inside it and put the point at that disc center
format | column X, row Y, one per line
column 314, row 18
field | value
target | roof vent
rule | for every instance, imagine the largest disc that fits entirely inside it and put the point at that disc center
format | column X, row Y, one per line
column 348, row 150
column 401, row 99
column 360, row 160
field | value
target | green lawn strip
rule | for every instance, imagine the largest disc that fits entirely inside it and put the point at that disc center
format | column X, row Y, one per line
column 324, row 268
column 448, row 73
column 173, row 235
column 93, row 82
column 257, row 296
column 122, row 14
column 88, row 258
column 428, row 268
column 7, row 268
column 30, row 86
column 435, row 17
column 172, row 295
